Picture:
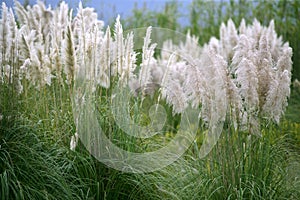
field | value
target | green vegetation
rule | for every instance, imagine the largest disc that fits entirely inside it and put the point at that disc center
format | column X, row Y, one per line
column 36, row 126
column 239, row 167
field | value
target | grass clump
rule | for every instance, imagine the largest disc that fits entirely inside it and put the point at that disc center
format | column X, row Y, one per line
column 30, row 168
column 240, row 167
column 36, row 125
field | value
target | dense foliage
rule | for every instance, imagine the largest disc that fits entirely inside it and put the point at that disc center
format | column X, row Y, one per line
column 237, row 69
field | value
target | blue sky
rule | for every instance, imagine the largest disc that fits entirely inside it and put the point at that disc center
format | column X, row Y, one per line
column 108, row 9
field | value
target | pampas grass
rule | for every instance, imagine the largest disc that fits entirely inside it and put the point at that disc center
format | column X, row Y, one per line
column 239, row 82
column 70, row 57
column 242, row 75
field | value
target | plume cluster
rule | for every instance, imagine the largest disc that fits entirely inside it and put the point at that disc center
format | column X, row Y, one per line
column 244, row 76
column 248, row 70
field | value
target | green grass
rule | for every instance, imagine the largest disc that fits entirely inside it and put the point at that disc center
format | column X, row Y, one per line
column 293, row 110
column 36, row 162
column 33, row 167
column 35, row 159
column 240, row 167
column 36, row 126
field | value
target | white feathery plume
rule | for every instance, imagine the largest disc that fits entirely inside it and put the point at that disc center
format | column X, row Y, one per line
column 35, row 44
column 265, row 76
column 232, row 33
column 167, row 49
column 24, row 68
column 44, row 65
column 285, row 60
column 8, row 46
column 269, row 58
column 195, row 84
column 69, row 56
column 13, row 53
column 26, row 43
column 103, row 76
column 85, row 19
column 234, row 99
column 165, row 76
column 59, row 25
column 276, row 100
column 208, row 85
column 88, row 36
column 243, row 50
column 80, row 45
column 92, row 60
column 94, row 48
column 4, row 39
column 172, row 85
column 124, row 55
column 264, row 68
column 275, row 42
column 36, row 72
column 264, row 49
column 228, row 39
column 248, row 84
column 157, row 73
column 14, row 34
column 27, row 53
column 147, row 60
column 129, row 59
column 118, row 48
column 176, row 96
column 33, row 22
column 255, row 32
column 190, row 46
column 62, row 15
column 272, row 39
column 83, row 24
column 21, row 13
column 220, row 84
column 243, row 27
column 223, row 40
column 44, row 18
column 168, row 56
column 214, row 45
column 214, row 111
column 10, row 37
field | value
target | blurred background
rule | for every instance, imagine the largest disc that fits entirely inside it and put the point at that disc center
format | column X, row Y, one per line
column 109, row 9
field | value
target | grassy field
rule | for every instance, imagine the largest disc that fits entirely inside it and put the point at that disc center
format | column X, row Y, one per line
column 36, row 125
